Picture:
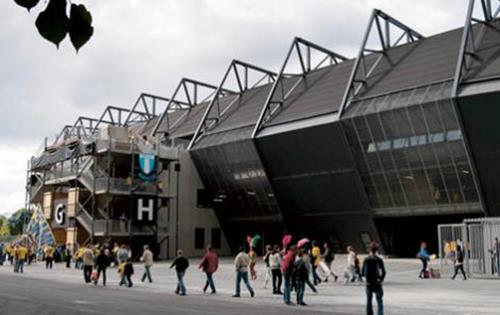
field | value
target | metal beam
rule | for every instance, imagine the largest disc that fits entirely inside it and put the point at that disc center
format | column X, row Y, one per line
column 189, row 89
column 210, row 117
column 471, row 38
column 358, row 80
column 298, row 44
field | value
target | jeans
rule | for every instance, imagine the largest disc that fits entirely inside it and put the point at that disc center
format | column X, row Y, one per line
column 48, row 262
column 287, row 288
column 277, row 279
column 210, row 282
column 242, row 275
column 147, row 274
column 87, row 273
column 316, row 278
column 126, row 280
column 457, row 269
column 424, row 267
column 99, row 271
column 181, row 289
column 301, row 287
column 20, row 265
column 379, row 293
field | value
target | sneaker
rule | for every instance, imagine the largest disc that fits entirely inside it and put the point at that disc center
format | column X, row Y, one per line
column 289, row 303
column 252, row 294
column 213, row 292
column 302, row 304
column 336, row 278
column 236, row 295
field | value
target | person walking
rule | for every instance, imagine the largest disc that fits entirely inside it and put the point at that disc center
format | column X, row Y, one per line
column 374, row 273
column 352, row 272
column 287, row 267
column 181, row 264
column 49, row 256
column 424, row 257
column 315, row 260
column 147, row 259
column 275, row 266
column 126, row 270
column 20, row 254
column 241, row 262
column 88, row 263
column 310, row 270
column 252, row 254
column 101, row 264
column 328, row 258
column 301, row 274
column 459, row 261
column 68, row 254
column 209, row 265
column 268, row 277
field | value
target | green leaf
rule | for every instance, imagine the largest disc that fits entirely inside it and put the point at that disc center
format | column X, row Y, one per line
column 80, row 25
column 53, row 23
column 28, row 4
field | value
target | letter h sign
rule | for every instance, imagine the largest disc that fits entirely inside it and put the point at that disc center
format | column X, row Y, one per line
column 145, row 210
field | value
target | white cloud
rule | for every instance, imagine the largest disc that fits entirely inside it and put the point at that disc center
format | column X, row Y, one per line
column 150, row 45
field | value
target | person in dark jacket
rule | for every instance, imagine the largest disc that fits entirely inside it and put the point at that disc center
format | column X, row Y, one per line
column 209, row 265
column 181, row 264
column 287, row 265
column 459, row 261
column 101, row 264
column 301, row 273
column 374, row 273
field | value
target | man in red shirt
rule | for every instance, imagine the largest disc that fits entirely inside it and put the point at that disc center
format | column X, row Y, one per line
column 209, row 265
column 287, row 267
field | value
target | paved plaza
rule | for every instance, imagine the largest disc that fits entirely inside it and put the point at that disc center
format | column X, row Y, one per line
column 62, row 291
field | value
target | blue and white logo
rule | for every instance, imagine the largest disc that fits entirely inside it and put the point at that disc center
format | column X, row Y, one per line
column 147, row 163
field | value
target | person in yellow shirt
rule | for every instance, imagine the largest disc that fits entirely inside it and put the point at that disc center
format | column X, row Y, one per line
column 79, row 258
column 316, row 259
column 20, row 254
column 49, row 256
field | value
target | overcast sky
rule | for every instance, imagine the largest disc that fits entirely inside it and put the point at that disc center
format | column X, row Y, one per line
column 149, row 45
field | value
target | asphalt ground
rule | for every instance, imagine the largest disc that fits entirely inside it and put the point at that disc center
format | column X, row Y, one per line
column 62, row 291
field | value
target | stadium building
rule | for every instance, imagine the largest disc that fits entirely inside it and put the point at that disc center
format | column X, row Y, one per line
column 384, row 146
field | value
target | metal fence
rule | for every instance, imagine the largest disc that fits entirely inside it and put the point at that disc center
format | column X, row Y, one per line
column 480, row 239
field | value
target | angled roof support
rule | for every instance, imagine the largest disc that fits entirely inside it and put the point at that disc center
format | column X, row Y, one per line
column 83, row 126
column 112, row 115
column 471, row 38
column 145, row 108
column 278, row 94
column 186, row 95
column 239, row 71
column 383, row 24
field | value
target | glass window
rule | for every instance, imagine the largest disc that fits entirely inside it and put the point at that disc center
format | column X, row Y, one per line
column 454, row 135
column 216, row 238
column 199, row 238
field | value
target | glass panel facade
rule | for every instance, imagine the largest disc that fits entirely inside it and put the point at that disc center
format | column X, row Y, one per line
column 234, row 176
column 410, row 150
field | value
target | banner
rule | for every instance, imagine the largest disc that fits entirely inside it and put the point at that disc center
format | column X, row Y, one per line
column 39, row 229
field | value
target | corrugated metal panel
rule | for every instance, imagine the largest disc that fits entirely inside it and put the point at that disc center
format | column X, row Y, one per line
column 245, row 111
column 429, row 60
column 320, row 93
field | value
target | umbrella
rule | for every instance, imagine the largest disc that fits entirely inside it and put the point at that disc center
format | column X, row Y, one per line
column 303, row 242
column 287, row 239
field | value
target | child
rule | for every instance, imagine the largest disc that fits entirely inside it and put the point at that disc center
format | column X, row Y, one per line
column 126, row 270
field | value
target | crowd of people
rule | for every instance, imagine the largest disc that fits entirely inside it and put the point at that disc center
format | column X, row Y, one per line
column 290, row 268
